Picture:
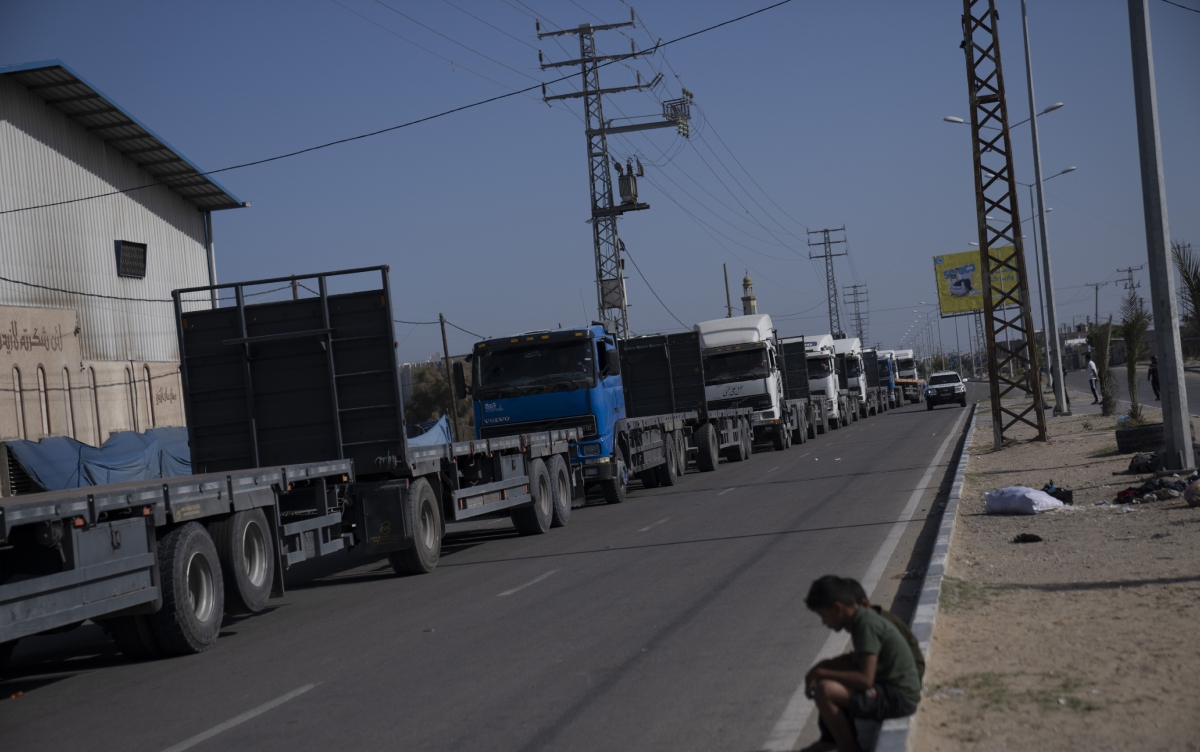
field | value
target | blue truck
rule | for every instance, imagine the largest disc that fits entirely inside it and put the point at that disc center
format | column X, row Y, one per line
column 637, row 404
column 887, row 376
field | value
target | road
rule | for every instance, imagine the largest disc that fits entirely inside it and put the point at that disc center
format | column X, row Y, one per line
column 1077, row 381
column 672, row 621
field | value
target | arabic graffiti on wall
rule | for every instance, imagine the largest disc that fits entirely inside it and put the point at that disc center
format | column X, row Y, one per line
column 23, row 340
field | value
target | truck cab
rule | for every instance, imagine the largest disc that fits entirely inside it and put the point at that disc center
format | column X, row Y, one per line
column 906, row 366
column 823, row 380
column 887, row 374
column 848, row 356
column 741, row 368
column 547, row 380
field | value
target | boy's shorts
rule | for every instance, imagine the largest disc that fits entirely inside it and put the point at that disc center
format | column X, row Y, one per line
column 879, row 703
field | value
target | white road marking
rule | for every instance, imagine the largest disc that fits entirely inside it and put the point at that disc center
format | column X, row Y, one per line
column 805, row 454
column 795, row 715
column 223, row 727
column 727, row 490
column 534, row 581
column 774, row 468
column 656, row 524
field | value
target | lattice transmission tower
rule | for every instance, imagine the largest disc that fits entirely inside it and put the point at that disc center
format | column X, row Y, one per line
column 826, row 244
column 1008, row 321
column 856, row 297
column 610, row 267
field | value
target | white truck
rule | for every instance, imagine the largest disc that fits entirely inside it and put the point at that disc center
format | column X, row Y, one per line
column 856, row 379
column 741, row 369
column 824, row 382
column 908, row 381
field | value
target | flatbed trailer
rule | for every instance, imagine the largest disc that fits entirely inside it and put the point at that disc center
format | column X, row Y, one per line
column 295, row 424
column 910, row 390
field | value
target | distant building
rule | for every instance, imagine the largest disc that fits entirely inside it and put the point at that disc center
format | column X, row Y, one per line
column 87, row 329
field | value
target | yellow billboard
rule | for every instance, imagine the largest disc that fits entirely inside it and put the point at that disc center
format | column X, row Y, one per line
column 960, row 281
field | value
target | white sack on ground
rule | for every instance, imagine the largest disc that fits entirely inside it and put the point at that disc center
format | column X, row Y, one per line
column 1019, row 500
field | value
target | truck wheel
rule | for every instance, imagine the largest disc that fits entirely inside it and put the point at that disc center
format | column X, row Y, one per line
column 193, row 591
column 134, row 636
column 560, row 487
column 422, row 556
column 649, row 478
column 614, row 488
column 535, row 519
column 706, row 448
column 681, row 448
column 243, row 544
column 779, row 438
column 668, row 472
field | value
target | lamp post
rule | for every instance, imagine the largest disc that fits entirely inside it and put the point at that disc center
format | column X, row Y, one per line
column 1056, row 373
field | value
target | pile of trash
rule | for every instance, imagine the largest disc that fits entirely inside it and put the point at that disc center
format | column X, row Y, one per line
column 1156, row 489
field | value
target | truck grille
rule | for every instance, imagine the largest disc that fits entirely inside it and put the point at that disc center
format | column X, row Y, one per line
column 586, row 424
column 756, row 401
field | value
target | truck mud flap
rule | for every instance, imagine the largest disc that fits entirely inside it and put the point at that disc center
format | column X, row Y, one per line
column 384, row 518
column 115, row 568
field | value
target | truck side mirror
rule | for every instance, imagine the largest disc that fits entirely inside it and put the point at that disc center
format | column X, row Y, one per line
column 460, row 381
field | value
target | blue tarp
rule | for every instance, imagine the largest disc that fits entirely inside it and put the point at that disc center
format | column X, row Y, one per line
column 436, row 432
column 57, row 462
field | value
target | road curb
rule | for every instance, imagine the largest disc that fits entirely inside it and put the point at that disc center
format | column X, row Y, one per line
column 896, row 733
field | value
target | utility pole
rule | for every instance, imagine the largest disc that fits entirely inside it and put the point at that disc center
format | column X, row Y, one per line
column 1050, row 326
column 1129, row 283
column 610, row 267
column 449, row 380
column 856, row 295
column 728, row 300
column 831, row 290
column 1006, row 309
column 1096, row 288
column 1178, row 454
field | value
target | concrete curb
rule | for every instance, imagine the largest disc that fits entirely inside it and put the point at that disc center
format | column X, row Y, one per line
column 896, row 733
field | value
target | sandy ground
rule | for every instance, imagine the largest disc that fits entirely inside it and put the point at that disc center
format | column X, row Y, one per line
column 1089, row 639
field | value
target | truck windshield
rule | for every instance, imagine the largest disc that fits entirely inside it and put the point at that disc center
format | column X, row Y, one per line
column 534, row 369
column 907, row 364
column 743, row 365
column 819, row 368
column 853, row 367
column 883, row 369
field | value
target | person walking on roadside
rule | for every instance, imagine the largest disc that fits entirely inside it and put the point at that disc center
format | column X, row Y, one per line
column 1152, row 377
column 1093, row 377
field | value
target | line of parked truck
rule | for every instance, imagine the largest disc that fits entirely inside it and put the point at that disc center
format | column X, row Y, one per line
column 298, row 445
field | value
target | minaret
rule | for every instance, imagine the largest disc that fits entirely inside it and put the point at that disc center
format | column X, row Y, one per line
column 749, row 302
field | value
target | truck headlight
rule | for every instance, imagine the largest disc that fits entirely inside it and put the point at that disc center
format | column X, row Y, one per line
column 591, row 449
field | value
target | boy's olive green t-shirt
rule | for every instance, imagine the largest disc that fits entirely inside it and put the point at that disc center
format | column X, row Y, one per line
column 871, row 634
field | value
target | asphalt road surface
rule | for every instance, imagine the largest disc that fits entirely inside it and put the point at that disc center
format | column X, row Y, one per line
column 672, row 621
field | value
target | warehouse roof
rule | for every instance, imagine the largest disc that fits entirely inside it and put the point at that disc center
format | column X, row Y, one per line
column 66, row 90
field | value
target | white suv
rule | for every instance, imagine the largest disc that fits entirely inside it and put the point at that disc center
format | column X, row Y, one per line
column 944, row 388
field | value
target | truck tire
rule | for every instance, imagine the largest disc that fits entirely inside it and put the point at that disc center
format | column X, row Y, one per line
column 649, row 478
column 535, row 519
column 134, row 636
column 779, row 438
column 706, row 448
column 682, row 450
column 422, row 556
column 614, row 488
column 560, row 486
column 243, row 542
column 193, row 591
column 668, row 472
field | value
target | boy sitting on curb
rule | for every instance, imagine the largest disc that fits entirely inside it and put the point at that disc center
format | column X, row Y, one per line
column 878, row 680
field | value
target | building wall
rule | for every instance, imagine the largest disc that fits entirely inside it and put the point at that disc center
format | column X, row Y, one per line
column 47, row 157
column 48, row 389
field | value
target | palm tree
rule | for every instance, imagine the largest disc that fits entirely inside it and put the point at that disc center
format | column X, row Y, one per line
column 1135, row 320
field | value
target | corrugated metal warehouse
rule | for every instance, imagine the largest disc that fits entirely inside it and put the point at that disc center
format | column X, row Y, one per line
column 86, row 323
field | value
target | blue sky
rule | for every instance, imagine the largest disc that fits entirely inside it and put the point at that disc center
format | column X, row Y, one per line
column 816, row 114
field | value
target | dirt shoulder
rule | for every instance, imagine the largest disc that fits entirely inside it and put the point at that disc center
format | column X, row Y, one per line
column 1085, row 640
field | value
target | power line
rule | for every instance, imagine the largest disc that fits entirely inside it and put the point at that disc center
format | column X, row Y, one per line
column 1177, row 5
column 417, row 121
column 485, row 23
column 656, row 297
